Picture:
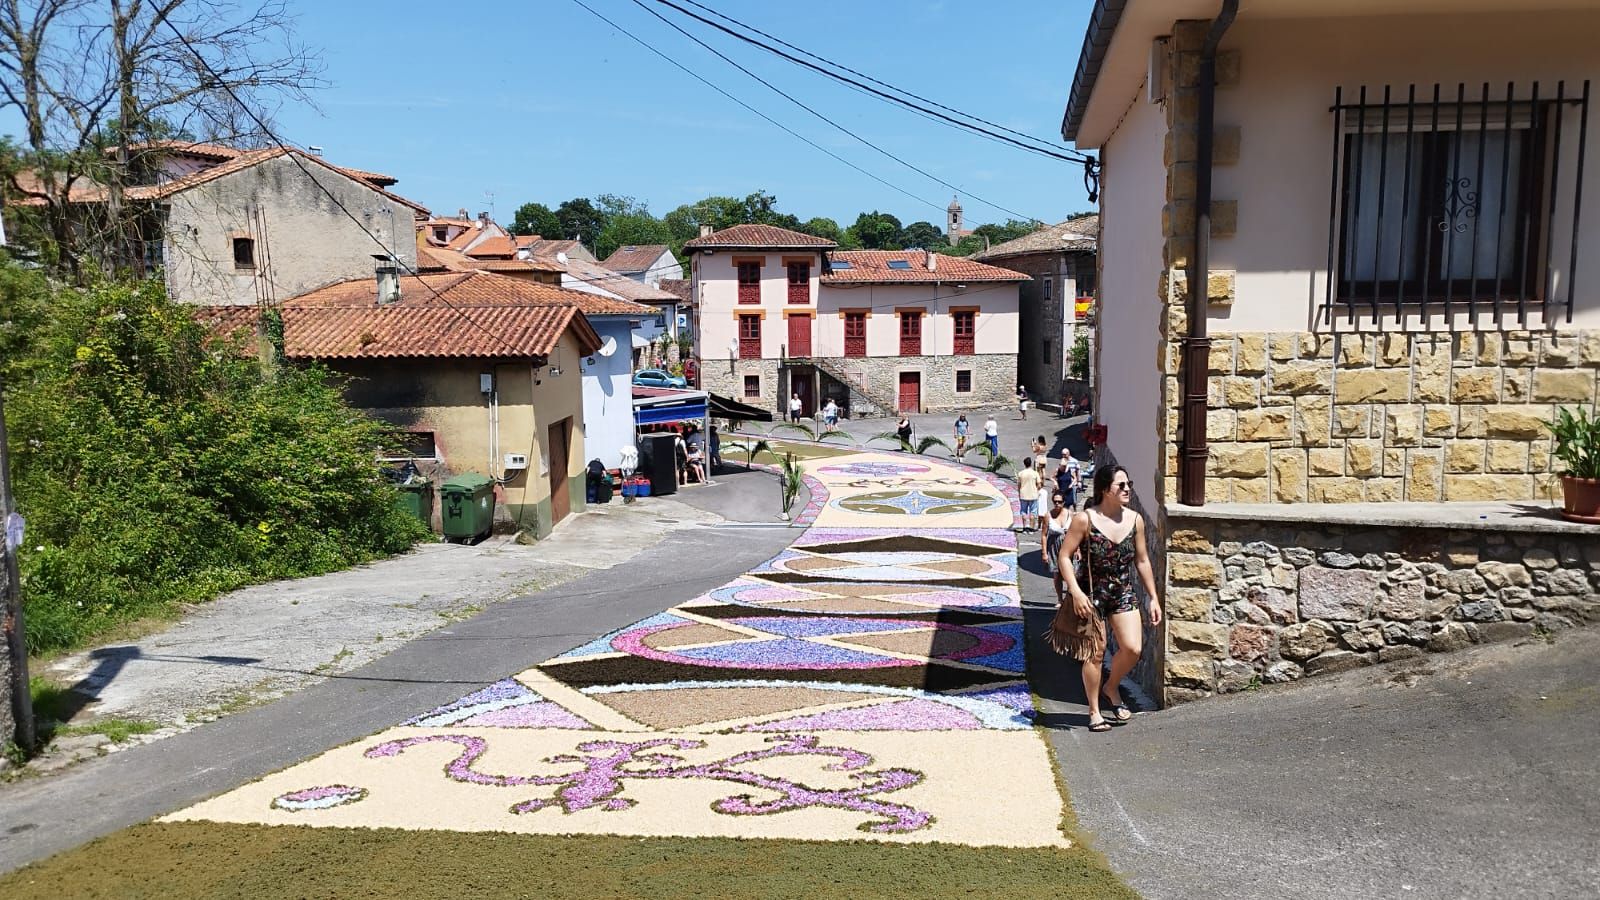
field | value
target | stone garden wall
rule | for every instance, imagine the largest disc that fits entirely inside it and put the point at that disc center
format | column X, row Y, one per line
column 1264, row 602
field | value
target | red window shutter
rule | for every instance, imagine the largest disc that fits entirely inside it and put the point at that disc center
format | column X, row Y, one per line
column 749, row 337
column 749, row 283
column 799, row 283
column 966, row 333
column 910, row 334
column 855, row 334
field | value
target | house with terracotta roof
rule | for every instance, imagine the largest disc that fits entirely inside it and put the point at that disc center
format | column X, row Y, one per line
column 648, row 263
column 231, row 226
column 1058, row 301
column 780, row 313
column 481, row 372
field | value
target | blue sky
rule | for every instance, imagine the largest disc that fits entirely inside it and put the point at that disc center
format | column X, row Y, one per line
column 541, row 101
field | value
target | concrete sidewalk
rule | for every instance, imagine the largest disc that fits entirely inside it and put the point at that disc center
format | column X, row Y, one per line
column 268, row 640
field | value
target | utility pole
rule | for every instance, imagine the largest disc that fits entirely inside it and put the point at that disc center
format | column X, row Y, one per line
column 11, row 627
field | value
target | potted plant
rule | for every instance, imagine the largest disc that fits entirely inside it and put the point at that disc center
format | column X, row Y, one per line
column 1577, row 446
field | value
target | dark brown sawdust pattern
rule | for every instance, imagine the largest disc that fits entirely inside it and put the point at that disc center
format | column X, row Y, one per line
column 191, row 860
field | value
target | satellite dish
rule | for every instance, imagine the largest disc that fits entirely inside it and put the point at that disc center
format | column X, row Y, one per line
column 561, row 258
column 609, row 346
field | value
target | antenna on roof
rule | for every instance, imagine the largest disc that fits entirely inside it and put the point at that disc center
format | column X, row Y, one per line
column 314, row 149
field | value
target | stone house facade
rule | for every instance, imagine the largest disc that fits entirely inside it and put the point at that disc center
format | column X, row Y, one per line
column 1060, row 261
column 1390, row 229
column 779, row 313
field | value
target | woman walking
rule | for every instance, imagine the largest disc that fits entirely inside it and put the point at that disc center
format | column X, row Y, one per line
column 1112, row 537
column 1054, row 533
column 961, row 435
column 902, row 430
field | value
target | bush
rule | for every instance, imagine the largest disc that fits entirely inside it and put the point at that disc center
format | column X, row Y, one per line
column 157, row 468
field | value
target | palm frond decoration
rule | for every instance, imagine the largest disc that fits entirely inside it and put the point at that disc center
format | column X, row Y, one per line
column 835, row 432
column 752, row 449
column 803, row 430
column 894, row 437
column 793, row 476
column 997, row 462
column 929, row 442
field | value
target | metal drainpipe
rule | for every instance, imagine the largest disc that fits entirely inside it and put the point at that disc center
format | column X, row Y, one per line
column 1197, row 345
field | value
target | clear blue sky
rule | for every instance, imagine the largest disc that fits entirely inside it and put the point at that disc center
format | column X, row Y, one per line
column 543, row 102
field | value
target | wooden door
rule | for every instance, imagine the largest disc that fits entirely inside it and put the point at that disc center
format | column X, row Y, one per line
column 800, row 336
column 801, row 385
column 560, row 498
column 910, row 392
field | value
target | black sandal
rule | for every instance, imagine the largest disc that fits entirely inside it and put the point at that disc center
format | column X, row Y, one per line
column 1123, row 715
column 1101, row 726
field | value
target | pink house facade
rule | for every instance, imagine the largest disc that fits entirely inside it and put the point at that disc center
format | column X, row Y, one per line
column 781, row 313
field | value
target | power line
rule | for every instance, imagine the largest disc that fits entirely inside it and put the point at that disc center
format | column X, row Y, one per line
column 780, row 92
column 790, row 131
column 1045, row 150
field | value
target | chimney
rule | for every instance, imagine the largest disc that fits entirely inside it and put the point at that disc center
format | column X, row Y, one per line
column 483, row 220
column 932, row 257
column 706, row 230
column 461, row 213
column 388, row 279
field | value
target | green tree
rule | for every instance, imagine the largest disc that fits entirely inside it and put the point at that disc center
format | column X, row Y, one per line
column 878, row 231
column 925, row 235
column 581, row 220
column 1079, row 366
column 822, row 227
column 630, row 229
column 536, row 218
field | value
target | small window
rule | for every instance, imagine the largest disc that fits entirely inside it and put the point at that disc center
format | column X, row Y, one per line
column 966, row 331
column 749, row 337
column 749, row 282
column 899, row 264
column 963, row 381
column 440, row 233
column 752, row 385
column 244, row 253
column 838, row 264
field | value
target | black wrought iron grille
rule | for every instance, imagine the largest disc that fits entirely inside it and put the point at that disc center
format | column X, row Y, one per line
column 1445, row 200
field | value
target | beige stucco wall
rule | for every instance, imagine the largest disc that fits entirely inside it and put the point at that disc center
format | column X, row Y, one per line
column 307, row 241
column 443, row 396
column 1287, row 74
column 717, row 280
column 1129, row 313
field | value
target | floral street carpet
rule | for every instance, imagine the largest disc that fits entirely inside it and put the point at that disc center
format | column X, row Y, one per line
column 866, row 682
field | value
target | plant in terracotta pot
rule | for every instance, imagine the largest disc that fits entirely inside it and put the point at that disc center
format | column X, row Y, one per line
column 1577, row 435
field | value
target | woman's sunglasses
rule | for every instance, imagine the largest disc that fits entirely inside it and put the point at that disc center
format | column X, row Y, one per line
column 1122, row 486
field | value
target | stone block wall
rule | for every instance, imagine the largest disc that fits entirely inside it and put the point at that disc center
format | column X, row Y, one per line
column 1264, row 602
column 720, row 377
column 1421, row 417
column 994, row 379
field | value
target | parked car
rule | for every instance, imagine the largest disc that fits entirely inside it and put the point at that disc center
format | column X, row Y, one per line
column 658, row 379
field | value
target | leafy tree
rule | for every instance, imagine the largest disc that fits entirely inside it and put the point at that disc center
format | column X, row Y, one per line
column 629, row 229
column 761, row 208
column 580, row 219
column 923, row 234
column 822, row 227
column 536, row 218
column 879, row 231
column 1079, row 366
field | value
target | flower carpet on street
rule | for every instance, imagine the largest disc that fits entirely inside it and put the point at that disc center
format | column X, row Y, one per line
column 866, row 682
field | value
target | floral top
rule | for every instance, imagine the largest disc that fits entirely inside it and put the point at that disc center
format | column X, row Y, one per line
column 1111, row 572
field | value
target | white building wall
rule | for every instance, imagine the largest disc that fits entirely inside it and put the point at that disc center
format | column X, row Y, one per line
column 1128, row 390
column 608, row 394
column 717, row 280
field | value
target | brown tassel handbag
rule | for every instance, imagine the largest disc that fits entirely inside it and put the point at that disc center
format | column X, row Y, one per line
column 1070, row 634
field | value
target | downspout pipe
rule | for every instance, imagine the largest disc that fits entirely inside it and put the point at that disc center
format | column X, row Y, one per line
column 1197, row 344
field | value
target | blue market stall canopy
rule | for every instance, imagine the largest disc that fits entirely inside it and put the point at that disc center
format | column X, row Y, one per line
column 663, row 406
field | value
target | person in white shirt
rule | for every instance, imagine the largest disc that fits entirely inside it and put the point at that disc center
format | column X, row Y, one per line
column 830, row 413
column 794, row 408
column 991, row 434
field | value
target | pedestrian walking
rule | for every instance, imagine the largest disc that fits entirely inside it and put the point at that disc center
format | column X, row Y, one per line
column 1022, row 401
column 794, row 408
column 716, row 449
column 1053, row 533
column 991, row 435
column 1040, row 456
column 830, row 413
column 1028, row 493
column 961, row 435
column 902, row 430
column 1074, row 478
column 1111, row 538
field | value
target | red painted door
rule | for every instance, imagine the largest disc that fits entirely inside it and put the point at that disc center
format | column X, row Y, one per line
column 800, row 336
column 910, row 392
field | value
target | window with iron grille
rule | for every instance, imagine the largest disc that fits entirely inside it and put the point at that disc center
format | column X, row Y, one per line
column 799, row 282
column 910, row 334
column 963, row 381
column 1455, row 199
column 752, row 385
column 749, row 337
column 965, row 324
column 855, row 334
column 749, row 282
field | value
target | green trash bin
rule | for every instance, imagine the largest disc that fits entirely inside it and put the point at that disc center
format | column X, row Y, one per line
column 416, row 498
column 466, row 507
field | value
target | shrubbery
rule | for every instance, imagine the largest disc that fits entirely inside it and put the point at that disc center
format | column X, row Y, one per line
column 156, row 467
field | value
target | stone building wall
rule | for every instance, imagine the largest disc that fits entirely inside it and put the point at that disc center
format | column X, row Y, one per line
column 1255, row 602
column 1348, row 418
column 726, row 378
column 994, row 379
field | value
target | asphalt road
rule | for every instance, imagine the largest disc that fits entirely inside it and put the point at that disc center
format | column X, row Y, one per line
column 39, row 817
column 1464, row 775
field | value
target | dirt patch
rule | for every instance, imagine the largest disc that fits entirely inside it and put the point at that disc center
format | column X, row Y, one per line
column 211, row 860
